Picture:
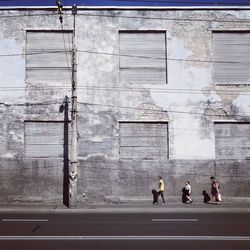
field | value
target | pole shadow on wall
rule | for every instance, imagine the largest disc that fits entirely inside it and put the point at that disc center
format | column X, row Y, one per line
column 65, row 108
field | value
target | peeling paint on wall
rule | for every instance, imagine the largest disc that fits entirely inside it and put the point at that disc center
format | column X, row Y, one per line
column 189, row 102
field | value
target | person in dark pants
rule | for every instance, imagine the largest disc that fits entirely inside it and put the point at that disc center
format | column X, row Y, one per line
column 155, row 196
column 184, row 195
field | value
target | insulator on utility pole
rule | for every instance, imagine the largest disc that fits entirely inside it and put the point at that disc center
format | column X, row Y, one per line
column 59, row 7
column 59, row 10
column 74, row 9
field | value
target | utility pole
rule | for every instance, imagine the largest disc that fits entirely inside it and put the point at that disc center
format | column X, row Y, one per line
column 59, row 10
column 73, row 158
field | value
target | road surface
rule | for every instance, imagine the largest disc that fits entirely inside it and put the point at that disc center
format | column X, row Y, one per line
column 196, row 231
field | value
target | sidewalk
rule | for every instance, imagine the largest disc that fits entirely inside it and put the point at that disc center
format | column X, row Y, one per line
column 127, row 207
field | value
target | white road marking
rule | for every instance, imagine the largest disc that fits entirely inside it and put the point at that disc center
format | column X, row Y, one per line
column 175, row 220
column 90, row 238
column 24, row 220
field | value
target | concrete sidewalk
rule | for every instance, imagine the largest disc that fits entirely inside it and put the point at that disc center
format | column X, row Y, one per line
column 127, row 207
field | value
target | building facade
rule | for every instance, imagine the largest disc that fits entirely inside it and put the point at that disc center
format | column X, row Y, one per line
column 161, row 91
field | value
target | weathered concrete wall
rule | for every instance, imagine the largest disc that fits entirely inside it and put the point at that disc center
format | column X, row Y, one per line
column 100, row 179
column 29, row 180
column 129, row 179
column 190, row 102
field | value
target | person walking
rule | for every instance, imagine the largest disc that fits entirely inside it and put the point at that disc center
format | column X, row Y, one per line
column 215, row 193
column 160, row 190
column 188, row 192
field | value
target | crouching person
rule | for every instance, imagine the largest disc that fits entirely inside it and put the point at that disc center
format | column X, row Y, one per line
column 206, row 197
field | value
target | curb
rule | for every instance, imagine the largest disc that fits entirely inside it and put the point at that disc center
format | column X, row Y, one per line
column 126, row 210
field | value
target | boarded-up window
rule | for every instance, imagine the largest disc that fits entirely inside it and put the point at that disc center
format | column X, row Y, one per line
column 231, row 57
column 48, row 57
column 232, row 140
column 143, row 57
column 44, row 139
column 145, row 140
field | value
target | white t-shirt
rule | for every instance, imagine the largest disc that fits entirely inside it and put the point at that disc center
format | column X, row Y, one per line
column 188, row 188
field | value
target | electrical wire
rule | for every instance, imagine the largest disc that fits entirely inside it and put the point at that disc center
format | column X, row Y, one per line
column 125, row 55
column 235, row 90
column 134, row 17
column 167, row 111
column 166, row 18
column 34, row 53
column 129, row 108
column 162, row 58
column 188, row 2
column 65, row 50
column 27, row 15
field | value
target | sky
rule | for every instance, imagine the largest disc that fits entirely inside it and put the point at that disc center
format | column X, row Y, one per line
column 127, row 2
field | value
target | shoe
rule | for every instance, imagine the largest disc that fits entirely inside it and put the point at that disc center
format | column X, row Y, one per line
column 155, row 203
column 163, row 204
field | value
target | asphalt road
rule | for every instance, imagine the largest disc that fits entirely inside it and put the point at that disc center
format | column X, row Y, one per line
column 196, row 231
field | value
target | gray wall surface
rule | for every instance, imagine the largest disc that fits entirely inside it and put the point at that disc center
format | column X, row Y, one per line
column 204, row 123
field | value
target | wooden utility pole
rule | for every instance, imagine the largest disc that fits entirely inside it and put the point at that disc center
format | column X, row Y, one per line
column 73, row 158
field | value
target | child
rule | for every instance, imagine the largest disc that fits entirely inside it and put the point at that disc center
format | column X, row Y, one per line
column 206, row 197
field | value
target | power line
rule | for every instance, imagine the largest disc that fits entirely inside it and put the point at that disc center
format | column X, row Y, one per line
column 161, row 58
column 190, row 2
column 69, row 37
column 134, row 17
column 166, row 111
column 168, row 18
column 232, row 92
column 125, row 107
column 165, row 90
column 125, row 55
column 27, row 104
column 34, row 53
column 27, row 15
column 65, row 49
